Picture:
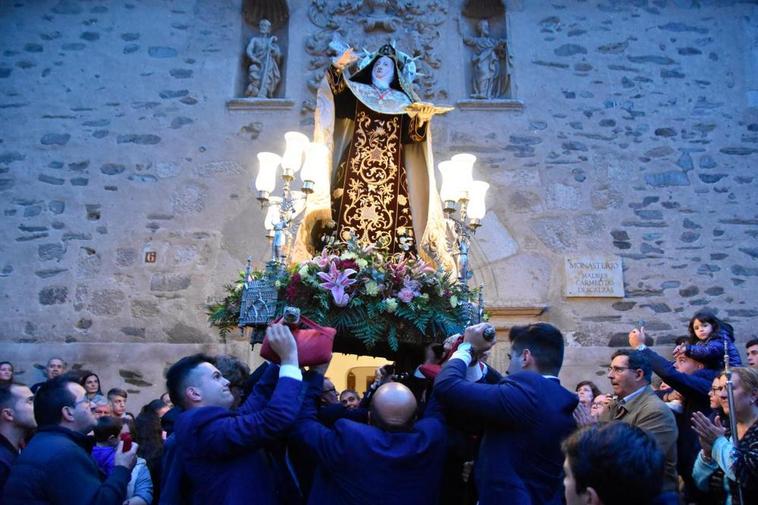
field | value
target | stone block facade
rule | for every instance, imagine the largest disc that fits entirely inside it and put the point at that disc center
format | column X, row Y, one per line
column 633, row 130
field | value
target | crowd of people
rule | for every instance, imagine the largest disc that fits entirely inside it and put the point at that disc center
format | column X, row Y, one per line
column 452, row 431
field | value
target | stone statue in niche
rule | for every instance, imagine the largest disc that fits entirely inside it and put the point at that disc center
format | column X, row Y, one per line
column 489, row 63
column 265, row 58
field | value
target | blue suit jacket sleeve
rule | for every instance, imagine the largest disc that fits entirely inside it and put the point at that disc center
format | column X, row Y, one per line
column 308, row 432
column 509, row 403
column 688, row 385
column 232, row 434
column 262, row 391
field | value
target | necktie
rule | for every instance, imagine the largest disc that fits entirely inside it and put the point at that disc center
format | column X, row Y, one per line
column 620, row 410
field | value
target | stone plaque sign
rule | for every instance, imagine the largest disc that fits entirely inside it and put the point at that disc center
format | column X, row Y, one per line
column 594, row 276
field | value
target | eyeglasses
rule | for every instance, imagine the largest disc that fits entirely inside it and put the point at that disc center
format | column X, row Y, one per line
column 332, row 390
column 83, row 400
column 618, row 369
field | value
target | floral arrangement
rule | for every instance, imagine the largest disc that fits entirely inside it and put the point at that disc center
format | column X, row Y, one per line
column 365, row 294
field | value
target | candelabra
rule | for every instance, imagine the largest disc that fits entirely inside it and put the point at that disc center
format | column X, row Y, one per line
column 300, row 155
column 462, row 195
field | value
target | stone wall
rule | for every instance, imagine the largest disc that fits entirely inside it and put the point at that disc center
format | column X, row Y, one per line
column 636, row 137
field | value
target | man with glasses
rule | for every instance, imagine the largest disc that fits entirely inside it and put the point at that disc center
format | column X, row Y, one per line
column 691, row 380
column 56, row 466
column 630, row 373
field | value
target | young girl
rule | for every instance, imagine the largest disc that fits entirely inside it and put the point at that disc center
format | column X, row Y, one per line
column 707, row 336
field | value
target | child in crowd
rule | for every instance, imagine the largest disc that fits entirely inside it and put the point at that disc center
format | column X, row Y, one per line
column 707, row 337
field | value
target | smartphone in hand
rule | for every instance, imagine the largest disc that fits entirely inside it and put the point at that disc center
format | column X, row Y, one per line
column 127, row 439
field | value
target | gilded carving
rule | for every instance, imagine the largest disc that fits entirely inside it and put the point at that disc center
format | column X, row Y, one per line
column 413, row 25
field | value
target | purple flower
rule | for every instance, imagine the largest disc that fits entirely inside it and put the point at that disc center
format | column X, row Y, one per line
column 412, row 285
column 336, row 282
column 406, row 295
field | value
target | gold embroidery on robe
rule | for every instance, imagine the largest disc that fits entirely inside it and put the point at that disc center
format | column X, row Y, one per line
column 370, row 197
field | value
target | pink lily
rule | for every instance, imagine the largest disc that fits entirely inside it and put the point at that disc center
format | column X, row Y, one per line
column 336, row 282
column 322, row 260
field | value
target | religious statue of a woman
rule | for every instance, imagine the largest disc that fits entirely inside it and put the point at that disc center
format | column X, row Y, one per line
column 382, row 186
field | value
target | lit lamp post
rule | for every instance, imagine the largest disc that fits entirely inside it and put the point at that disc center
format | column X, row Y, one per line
column 461, row 194
column 281, row 210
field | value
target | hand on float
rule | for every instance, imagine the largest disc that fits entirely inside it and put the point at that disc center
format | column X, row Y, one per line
column 283, row 343
column 475, row 336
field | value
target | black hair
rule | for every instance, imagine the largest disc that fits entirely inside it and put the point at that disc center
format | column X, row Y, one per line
column 704, row 316
column 352, row 391
column 545, row 343
column 149, row 436
column 438, row 350
column 621, row 462
column 593, row 387
column 50, row 398
column 176, row 376
column 750, row 343
column 233, row 370
column 86, row 374
column 682, row 340
column 107, row 427
column 7, row 363
column 6, row 396
column 116, row 392
column 637, row 361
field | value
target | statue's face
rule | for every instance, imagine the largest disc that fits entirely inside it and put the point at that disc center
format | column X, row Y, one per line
column 264, row 26
column 383, row 71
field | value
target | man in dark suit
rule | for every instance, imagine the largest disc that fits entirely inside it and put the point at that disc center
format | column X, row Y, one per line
column 526, row 415
column 391, row 460
column 56, row 468
column 222, row 453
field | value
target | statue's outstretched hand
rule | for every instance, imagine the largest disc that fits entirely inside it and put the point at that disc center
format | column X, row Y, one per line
column 346, row 59
column 424, row 111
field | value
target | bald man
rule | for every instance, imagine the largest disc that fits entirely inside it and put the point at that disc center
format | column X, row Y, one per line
column 393, row 459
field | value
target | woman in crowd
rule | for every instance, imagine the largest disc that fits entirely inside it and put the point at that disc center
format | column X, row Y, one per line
column 587, row 391
column 6, row 372
column 150, row 437
column 91, row 384
column 738, row 461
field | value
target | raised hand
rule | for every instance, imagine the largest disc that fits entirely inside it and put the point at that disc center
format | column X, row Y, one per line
column 637, row 337
column 346, row 59
column 126, row 459
column 282, row 343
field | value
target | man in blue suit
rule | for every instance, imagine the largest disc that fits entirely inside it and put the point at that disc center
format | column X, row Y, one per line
column 222, row 453
column 391, row 460
column 526, row 415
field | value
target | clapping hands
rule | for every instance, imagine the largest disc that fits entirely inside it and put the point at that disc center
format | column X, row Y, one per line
column 707, row 431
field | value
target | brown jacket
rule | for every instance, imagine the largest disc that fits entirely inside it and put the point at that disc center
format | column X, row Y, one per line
column 648, row 412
